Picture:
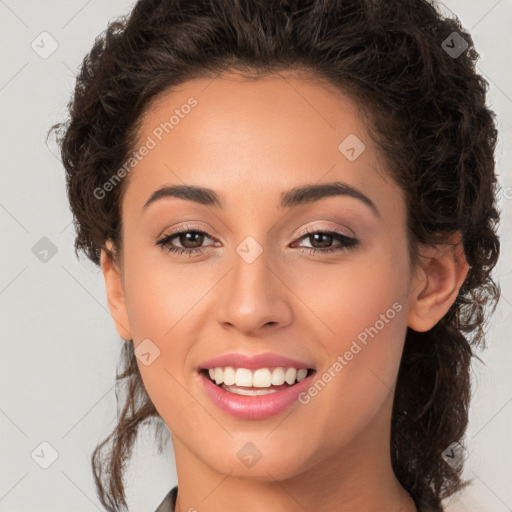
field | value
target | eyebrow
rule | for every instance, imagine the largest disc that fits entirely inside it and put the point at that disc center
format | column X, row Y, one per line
column 293, row 197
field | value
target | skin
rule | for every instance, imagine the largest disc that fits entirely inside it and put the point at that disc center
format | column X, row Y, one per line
column 251, row 141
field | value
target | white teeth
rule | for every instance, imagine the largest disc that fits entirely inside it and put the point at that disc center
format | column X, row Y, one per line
column 260, row 378
column 243, row 377
column 290, row 375
column 278, row 376
column 301, row 374
column 229, row 376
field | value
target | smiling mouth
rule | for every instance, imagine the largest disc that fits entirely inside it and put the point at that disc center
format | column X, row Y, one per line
column 262, row 382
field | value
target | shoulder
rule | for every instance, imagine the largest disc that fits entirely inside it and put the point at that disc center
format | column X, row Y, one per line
column 169, row 502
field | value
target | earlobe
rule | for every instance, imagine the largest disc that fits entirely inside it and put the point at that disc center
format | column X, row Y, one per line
column 443, row 270
column 115, row 293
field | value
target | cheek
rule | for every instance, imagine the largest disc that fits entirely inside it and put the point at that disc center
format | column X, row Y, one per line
column 159, row 295
column 362, row 327
column 358, row 379
column 340, row 300
column 161, row 308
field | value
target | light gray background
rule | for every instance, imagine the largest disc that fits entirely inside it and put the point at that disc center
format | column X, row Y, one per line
column 59, row 345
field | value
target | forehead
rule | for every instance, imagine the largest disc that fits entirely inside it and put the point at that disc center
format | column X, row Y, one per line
column 237, row 136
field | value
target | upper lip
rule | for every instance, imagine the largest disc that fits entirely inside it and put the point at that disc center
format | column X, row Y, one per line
column 253, row 362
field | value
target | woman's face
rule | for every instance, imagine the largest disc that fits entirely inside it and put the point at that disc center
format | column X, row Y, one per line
column 253, row 285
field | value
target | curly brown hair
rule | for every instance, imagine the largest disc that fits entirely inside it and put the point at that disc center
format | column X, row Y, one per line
column 426, row 110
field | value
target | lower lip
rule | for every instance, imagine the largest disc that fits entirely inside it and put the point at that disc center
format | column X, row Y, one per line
column 254, row 407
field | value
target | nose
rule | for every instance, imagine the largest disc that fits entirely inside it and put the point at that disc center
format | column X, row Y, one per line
column 254, row 295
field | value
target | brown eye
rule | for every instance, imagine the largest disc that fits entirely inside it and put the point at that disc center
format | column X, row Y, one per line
column 191, row 241
column 321, row 241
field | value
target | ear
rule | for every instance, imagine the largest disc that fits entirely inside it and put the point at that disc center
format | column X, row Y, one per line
column 115, row 293
column 442, row 270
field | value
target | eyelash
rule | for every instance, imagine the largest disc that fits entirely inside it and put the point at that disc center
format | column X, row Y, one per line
column 347, row 242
